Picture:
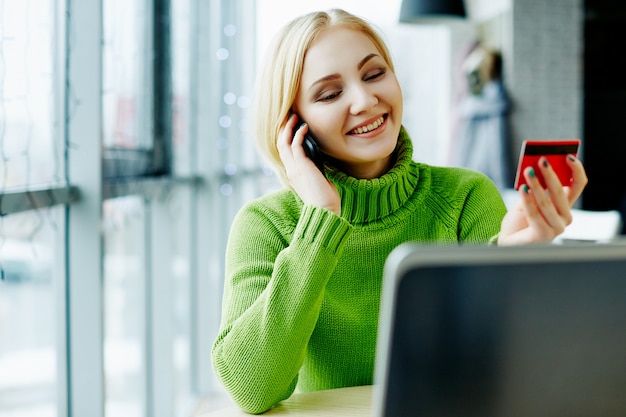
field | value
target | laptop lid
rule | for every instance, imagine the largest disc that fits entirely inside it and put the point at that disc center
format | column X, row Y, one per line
column 489, row 331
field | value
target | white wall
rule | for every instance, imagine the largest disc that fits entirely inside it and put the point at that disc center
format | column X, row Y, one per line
column 481, row 10
column 423, row 59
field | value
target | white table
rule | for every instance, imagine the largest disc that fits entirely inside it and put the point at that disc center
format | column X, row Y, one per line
column 340, row 402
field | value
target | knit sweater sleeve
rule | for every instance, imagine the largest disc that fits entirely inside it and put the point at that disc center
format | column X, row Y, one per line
column 276, row 275
column 482, row 212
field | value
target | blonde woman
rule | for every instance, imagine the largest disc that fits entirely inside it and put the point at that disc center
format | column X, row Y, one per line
column 304, row 264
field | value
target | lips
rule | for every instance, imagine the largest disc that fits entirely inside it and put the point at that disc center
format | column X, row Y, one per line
column 368, row 127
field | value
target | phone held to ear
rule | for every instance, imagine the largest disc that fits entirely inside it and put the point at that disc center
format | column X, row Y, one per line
column 555, row 151
column 311, row 148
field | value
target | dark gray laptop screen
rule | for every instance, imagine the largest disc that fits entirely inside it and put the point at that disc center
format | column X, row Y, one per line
column 510, row 339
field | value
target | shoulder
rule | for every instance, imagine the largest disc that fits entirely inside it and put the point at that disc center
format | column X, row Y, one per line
column 457, row 185
column 466, row 200
column 281, row 208
column 459, row 177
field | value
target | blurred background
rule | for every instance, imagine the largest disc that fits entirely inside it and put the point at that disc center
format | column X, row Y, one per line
column 125, row 152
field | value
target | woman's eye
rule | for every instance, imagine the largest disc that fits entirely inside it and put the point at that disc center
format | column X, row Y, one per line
column 329, row 96
column 375, row 75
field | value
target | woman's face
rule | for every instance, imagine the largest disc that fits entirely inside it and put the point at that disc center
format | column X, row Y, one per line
column 351, row 101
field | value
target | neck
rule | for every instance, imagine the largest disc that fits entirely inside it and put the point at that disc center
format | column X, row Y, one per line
column 368, row 171
column 364, row 200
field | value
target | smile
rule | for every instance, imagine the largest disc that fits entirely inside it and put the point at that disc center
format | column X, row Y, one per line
column 369, row 127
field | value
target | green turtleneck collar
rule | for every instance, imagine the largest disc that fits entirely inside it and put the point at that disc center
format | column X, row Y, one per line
column 367, row 200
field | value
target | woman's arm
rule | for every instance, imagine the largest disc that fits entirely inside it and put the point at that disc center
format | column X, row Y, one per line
column 273, row 294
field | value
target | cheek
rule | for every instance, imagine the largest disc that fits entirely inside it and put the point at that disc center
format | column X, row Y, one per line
column 395, row 93
column 399, row 105
column 327, row 124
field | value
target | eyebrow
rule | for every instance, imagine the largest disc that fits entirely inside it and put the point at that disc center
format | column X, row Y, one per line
column 364, row 60
column 330, row 77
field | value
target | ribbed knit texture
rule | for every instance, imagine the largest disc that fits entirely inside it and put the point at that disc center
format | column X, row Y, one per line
column 303, row 285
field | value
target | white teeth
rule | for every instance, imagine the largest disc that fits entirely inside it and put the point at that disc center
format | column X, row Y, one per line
column 369, row 127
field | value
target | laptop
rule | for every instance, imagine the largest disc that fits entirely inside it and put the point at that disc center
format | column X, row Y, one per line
column 513, row 332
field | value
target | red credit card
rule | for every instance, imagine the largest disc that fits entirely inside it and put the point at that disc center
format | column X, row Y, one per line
column 555, row 150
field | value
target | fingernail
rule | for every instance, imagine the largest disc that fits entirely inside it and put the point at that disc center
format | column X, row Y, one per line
column 525, row 188
column 571, row 157
column 291, row 116
column 545, row 162
column 531, row 172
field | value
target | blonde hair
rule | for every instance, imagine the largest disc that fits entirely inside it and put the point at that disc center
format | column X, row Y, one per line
column 279, row 79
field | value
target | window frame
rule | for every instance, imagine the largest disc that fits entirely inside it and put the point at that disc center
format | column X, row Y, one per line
column 93, row 174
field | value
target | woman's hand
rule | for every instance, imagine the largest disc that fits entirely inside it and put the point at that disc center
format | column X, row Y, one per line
column 541, row 215
column 305, row 179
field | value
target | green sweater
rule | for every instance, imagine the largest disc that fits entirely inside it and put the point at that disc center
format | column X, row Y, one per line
column 303, row 285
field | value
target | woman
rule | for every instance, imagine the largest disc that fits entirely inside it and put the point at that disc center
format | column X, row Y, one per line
column 304, row 264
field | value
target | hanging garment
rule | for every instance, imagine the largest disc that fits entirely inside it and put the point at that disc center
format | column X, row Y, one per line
column 483, row 142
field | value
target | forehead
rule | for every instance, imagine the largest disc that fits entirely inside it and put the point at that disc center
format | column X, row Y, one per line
column 336, row 49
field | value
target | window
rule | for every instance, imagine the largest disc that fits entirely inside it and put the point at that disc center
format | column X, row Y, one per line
column 29, row 315
column 125, row 301
column 109, row 298
column 27, row 70
column 29, row 158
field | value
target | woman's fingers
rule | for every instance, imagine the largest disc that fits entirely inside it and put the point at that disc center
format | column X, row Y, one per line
column 579, row 179
column 543, row 214
column 285, row 142
column 555, row 196
column 291, row 139
column 547, row 210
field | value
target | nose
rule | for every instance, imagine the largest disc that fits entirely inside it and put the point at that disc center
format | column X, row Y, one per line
column 363, row 99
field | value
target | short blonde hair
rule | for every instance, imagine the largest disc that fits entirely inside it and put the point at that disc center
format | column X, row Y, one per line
column 279, row 79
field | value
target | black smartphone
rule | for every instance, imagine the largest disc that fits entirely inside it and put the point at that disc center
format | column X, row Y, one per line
column 311, row 148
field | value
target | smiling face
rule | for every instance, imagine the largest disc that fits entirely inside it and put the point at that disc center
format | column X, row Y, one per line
column 352, row 102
